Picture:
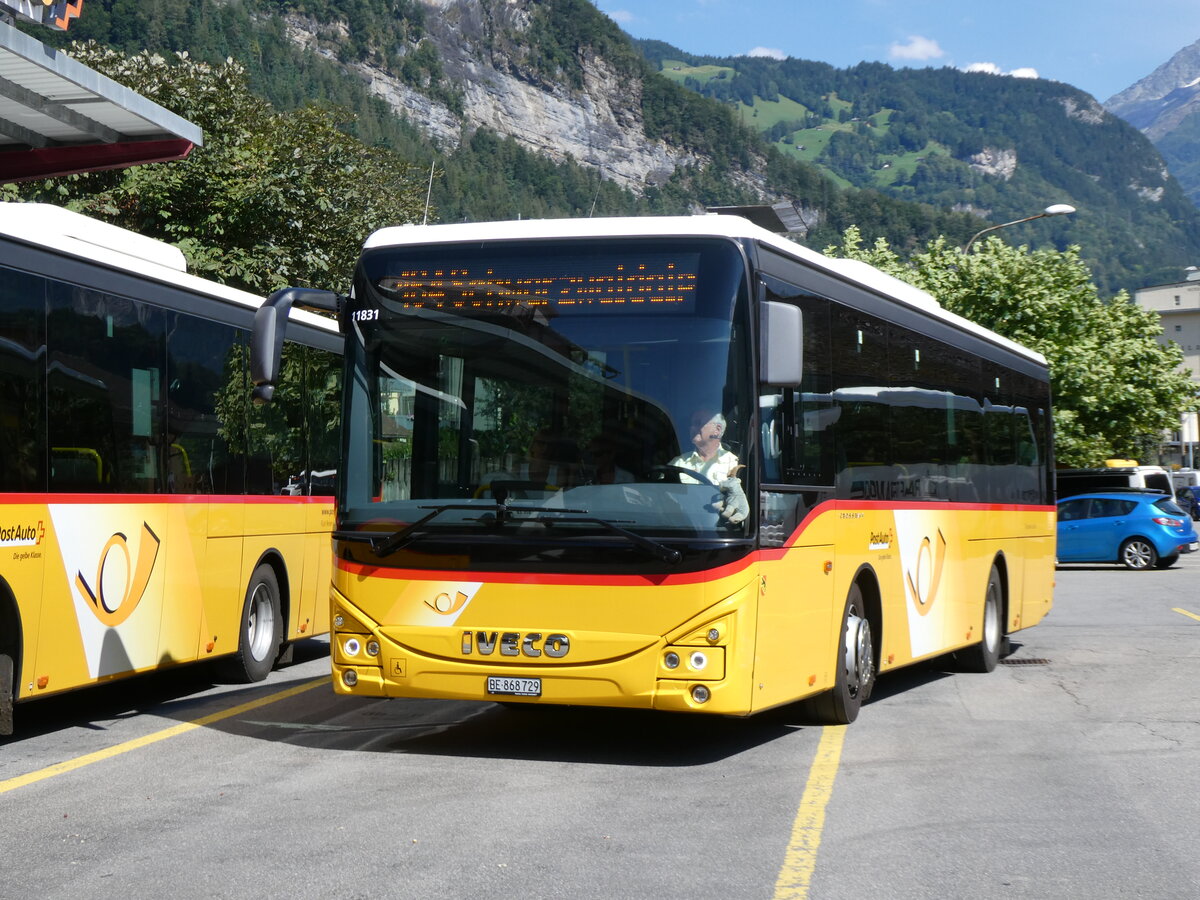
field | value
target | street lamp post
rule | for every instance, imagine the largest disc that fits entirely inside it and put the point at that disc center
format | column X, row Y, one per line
column 1058, row 209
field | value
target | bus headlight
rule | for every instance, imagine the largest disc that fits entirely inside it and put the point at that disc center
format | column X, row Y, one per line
column 351, row 647
column 671, row 660
column 372, row 648
column 698, row 660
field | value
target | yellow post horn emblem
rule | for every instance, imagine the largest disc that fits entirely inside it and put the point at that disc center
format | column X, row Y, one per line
column 112, row 613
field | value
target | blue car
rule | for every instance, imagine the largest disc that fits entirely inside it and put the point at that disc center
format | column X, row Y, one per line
column 1140, row 529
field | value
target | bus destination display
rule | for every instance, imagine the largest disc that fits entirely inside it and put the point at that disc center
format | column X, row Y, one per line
column 650, row 283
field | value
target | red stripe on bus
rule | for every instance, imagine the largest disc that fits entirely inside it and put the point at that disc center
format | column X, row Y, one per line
column 771, row 553
column 111, row 499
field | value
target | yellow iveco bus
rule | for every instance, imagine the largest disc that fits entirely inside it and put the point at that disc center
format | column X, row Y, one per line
column 671, row 463
column 143, row 516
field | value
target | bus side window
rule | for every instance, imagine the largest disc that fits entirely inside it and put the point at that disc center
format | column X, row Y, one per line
column 105, row 376
column 275, row 439
column 206, row 405
column 22, row 382
column 809, row 412
column 771, row 440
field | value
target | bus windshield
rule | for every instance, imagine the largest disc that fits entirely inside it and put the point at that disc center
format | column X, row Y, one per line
column 559, row 391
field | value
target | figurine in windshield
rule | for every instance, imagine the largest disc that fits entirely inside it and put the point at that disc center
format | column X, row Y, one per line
column 718, row 464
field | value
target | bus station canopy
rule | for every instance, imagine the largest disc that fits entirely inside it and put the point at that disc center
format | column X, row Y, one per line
column 58, row 117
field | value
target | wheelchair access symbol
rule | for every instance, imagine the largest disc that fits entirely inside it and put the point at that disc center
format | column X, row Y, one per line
column 113, row 610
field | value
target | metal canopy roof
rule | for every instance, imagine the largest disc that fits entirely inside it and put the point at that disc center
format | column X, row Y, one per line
column 58, row 117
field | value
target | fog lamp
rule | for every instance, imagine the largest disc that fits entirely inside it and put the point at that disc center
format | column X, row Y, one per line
column 671, row 660
column 700, row 693
column 350, row 678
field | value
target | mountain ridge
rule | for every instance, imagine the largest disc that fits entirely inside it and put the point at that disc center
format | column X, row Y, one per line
column 1165, row 106
column 991, row 144
column 547, row 108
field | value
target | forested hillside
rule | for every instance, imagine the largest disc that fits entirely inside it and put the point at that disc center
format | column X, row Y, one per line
column 999, row 146
column 892, row 152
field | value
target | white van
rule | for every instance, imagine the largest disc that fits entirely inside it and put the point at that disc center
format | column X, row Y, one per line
column 1083, row 481
column 1181, row 478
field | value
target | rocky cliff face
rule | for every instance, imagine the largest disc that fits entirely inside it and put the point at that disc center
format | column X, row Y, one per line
column 478, row 41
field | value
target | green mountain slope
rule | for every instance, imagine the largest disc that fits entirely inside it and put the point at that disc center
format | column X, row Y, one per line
column 646, row 128
column 999, row 146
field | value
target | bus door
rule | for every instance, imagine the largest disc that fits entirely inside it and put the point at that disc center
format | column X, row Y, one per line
column 206, row 477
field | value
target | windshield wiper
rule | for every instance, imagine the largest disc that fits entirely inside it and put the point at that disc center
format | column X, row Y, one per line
column 387, row 545
column 654, row 548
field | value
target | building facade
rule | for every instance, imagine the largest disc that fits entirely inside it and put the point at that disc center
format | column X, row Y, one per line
column 1178, row 308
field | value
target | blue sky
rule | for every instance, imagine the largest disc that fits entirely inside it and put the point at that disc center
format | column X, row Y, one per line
column 1100, row 46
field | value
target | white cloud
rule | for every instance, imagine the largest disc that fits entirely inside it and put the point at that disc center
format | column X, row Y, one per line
column 993, row 69
column 768, row 52
column 918, row 48
column 621, row 16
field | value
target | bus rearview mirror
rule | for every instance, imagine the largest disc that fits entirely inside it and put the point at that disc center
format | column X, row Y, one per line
column 781, row 329
column 270, row 326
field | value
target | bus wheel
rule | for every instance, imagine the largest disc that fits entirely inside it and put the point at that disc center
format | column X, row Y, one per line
column 982, row 657
column 7, row 695
column 855, row 665
column 261, row 628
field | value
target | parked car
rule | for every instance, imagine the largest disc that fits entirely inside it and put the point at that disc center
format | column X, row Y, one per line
column 1140, row 529
column 1189, row 499
column 1071, row 482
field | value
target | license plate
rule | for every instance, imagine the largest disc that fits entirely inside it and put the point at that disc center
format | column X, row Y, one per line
column 1193, row 547
column 514, row 687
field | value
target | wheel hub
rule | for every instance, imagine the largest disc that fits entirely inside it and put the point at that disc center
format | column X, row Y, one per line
column 859, row 662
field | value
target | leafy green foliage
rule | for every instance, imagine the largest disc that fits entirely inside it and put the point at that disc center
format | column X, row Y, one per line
column 272, row 198
column 1115, row 388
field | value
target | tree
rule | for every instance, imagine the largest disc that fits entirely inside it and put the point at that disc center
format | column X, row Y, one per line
column 1115, row 388
column 271, row 199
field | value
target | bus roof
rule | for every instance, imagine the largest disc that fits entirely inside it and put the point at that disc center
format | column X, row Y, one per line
column 63, row 231
column 708, row 225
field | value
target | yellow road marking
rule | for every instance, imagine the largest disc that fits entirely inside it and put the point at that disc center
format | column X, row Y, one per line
column 182, row 728
column 1184, row 612
column 801, row 857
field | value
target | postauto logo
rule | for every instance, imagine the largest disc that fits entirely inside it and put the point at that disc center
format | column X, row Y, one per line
column 22, row 535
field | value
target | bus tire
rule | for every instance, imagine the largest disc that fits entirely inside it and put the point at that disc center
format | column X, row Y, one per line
column 855, row 665
column 984, row 656
column 260, row 629
column 7, row 694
